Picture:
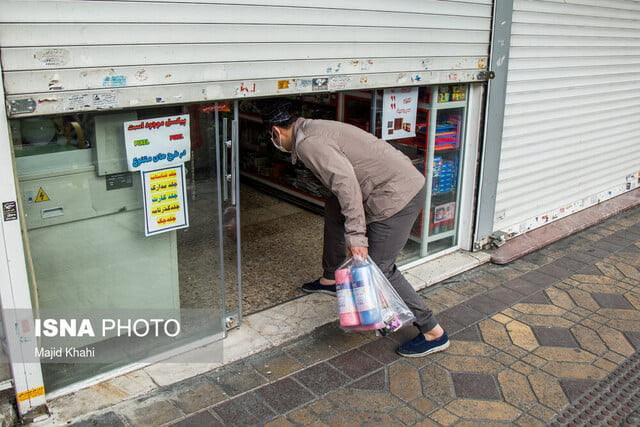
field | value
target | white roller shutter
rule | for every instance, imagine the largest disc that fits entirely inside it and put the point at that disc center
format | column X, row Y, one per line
column 61, row 56
column 572, row 119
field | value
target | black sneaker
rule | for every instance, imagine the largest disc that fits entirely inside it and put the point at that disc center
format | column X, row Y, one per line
column 420, row 346
column 316, row 287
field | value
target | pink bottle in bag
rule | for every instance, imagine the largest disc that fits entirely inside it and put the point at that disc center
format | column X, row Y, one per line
column 346, row 302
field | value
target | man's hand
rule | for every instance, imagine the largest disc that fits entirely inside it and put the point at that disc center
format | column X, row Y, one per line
column 359, row 251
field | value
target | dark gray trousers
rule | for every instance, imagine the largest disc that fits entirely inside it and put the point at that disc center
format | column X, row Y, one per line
column 386, row 240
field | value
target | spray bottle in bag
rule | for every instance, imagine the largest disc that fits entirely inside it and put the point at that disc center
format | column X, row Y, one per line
column 366, row 295
column 346, row 303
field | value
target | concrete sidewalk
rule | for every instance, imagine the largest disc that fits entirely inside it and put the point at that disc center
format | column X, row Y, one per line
column 550, row 338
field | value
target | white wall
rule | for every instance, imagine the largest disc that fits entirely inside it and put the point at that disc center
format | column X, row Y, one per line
column 87, row 55
column 572, row 119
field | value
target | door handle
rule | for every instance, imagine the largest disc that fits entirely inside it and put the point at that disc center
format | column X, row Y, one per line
column 234, row 173
column 225, row 160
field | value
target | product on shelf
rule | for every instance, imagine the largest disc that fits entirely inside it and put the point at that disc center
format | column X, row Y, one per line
column 445, row 175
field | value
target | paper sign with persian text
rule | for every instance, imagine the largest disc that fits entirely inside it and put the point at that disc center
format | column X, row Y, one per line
column 157, row 143
column 399, row 111
column 165, row 200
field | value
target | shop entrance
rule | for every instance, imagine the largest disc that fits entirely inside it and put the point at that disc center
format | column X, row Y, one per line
column 282, row 204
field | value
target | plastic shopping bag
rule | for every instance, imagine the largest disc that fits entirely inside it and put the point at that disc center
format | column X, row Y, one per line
column 366, row 299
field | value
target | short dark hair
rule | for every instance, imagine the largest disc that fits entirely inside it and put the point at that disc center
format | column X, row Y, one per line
column 280, row 112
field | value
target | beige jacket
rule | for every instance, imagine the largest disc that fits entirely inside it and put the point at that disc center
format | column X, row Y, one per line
column 371, row 179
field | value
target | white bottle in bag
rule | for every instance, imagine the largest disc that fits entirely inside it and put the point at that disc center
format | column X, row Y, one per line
column 366, row 295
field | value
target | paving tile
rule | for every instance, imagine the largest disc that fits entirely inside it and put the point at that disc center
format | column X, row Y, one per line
column 469, row 289
column 546, row 321
column 548, row 390
column 321, row 378
column 554, row 337
column 281, row 421
column 483, row 410
column 320, row 406
column 195, row 394
column 574, row 370
column 247, row 409
column 516, row 389
column 589, row 340
column 468, row 385
column 575, row 388
column 559, row 297
column 522, row 286
column 629, row 271
column 358, row 418
column 152, row 411
column 274, row 366
column 605, row 365
column 200, row 419
column 470, row 333
column 473, row 364
column 607, row 246
column 284, row 395
column 301, row 416
column 527, row 420
column 310, row 349
column 476, row 348
column 534, row 360
column 634, row 339
column 376, row 381
column 539, row 278
column 591, row 270
column 556, row 269
column 404, row 381
column 423, row 405
column 444, row 417
column 406, row 415
column 616, row 341
column 355, row 363
column 444, row 298
column 504, row 358
column 238, row 378
column 494, row 333
column 522, row 335
column 584, row 257
column 449, row 324
column 538, row 258
column 610, row 270
column 542, row 413
column 107, row 419
column 436, row 382
column 356, row 400
column 504, row 272
column 485, row 304
column 522, row 265
column 572, row 317
column 504, row 295
column 583, row 299
column 462, row 314
column 537, row 298
column 562, row 354
column 612, row 301
column 382, row 349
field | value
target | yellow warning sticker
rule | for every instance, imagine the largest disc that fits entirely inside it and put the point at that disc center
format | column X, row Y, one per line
column 30, row 394
column 42, row 196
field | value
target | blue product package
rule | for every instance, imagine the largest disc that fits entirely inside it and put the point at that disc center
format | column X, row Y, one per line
column 365, row 294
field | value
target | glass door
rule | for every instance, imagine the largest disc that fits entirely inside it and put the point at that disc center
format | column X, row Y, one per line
column 106, row 294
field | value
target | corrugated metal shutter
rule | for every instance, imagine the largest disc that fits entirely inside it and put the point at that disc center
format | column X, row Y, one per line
column 87, row 55
column 571, row 128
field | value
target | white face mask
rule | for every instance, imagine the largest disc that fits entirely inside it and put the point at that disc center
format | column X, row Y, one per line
column 279, row 147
